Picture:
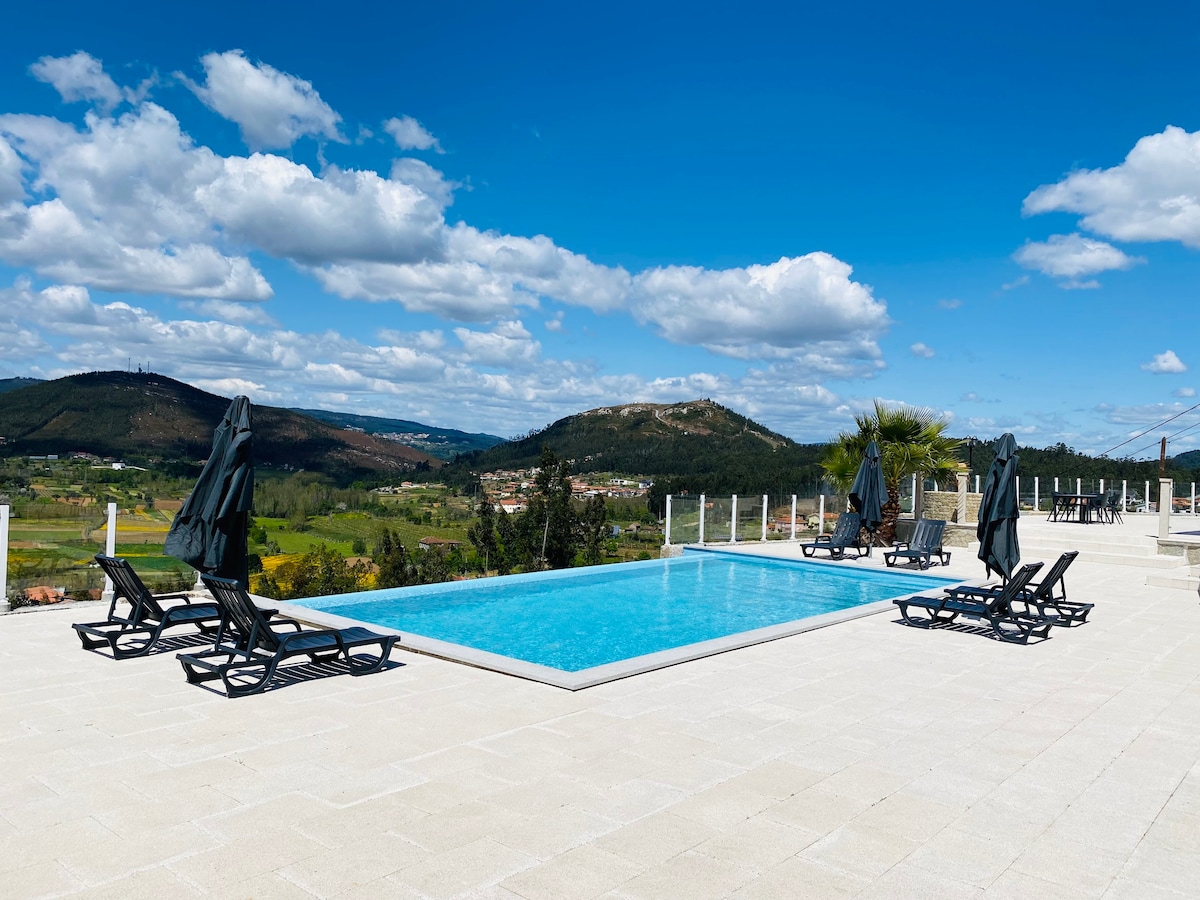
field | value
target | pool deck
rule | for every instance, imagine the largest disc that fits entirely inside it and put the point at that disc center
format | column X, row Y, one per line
column 865, row 760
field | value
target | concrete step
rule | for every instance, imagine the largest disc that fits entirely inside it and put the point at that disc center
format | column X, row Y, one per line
column 1035, row 550
column 1180, row 580
column 1126, row 545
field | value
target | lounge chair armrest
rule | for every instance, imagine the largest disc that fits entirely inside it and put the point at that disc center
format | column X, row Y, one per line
column 284, row 620
column 901, row 545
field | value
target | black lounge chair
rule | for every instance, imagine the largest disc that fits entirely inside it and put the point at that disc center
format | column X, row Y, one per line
column 249, row 649
column 925, row 543
column 1007, row 624
column 843, row 537
column 136, row 634
column 1046, row 598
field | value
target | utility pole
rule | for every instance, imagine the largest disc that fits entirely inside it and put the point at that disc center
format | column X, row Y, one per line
column 1162, row 459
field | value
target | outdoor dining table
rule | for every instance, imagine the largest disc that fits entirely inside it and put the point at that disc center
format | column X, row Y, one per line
column 1078, row 505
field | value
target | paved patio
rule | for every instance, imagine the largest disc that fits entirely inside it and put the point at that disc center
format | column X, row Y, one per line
column 867, row 760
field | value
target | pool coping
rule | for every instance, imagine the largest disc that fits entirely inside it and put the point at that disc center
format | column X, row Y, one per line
column 602, row 674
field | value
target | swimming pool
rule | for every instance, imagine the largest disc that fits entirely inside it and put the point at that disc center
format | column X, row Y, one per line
column 576, row 627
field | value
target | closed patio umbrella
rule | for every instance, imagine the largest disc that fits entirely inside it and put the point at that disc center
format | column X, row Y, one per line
column 209, row 533
column 868, row 491
column 998, row 511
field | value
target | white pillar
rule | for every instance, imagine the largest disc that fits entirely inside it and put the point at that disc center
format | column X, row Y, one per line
column 914, row 496
column 1018, row 480
column 1147, row 496
column 1079, row 485
column 821, row 515
column 1056, row 484
column 1037, row 504
column 977, row 484
column 110, row 549
column 667, row 530
column 702, row 518
column 961, row 506
column 733, row 521
column 1165, row 490
column 4, row 604
column 1101, row 485
column 794, row 514
column 764, row 537
column 1193, row 498
column 1124, row 494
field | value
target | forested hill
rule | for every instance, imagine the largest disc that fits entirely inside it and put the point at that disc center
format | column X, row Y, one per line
column 143, row 416
column 444, row 443
column 699, row 445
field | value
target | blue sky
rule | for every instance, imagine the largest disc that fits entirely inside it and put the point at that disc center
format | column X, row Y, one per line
column 487, row 217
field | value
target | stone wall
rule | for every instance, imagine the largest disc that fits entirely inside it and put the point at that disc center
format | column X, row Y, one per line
column 944, row 505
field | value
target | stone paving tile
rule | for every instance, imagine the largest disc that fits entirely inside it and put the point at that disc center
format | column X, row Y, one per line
column 870, row 759
column 579, row 873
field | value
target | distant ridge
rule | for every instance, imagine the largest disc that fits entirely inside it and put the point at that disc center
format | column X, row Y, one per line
column 698, row 443
column 444, row 443
column 12, row 384
column 144, row 416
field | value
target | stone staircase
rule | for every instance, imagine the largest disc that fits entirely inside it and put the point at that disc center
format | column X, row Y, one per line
column 1112, row 549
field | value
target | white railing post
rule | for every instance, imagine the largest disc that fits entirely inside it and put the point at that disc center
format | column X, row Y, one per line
column 794, row 513
column 914, row 496
column 668, row 526
column 821, row 515
column 764, row 537
column 1101, row 485
column 1124, row 495
column 1166, row 489
column 701, row 518
column 1037, row 504
column 1193, row 498
column 1079, row 485
column 4, row 604
column 976, row 484
column 1056, row 484
column 1147, row 496
column 1018, row 495
column 110, row 549
column 733, row 521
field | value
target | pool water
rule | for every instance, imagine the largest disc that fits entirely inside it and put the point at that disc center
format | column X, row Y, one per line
column 575, row 619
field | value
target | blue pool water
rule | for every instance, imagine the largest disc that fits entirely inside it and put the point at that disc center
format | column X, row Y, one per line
column 578, row 618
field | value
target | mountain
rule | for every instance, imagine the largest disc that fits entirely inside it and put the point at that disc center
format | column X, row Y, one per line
column 11, row 384
column 143, row 416
column 1187, row 460
column 444, row 443
column 699, row 444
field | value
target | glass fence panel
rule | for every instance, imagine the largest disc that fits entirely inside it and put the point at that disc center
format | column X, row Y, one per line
column 749, row 518
column 1184, row 497
column 718, row 521
column 685, row 520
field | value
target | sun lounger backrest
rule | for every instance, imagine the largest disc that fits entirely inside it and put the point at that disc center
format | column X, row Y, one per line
column 127, row 584
column 934, row 529
column 1001, row 601
column 847, row 528
column 245, row 618
column 1045, row 588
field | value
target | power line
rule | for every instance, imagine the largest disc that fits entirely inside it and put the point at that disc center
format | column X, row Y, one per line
column 1150, row 429
column 1169, row 436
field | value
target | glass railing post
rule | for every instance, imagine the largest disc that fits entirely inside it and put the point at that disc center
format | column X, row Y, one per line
column 667, row 527
column 733, row 521
column 701, row 518
column 4, row 604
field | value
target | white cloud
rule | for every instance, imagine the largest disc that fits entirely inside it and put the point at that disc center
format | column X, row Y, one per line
column 1015, row 283
column 949, row 303
column 1185, row 392
column 79, row 76
column 509, row 345
column 284, row 209
column 409, row 134
column 790, row 308
column 1165, row 363
column 922, row 350
column 425, row 178
column 1073, row 256
column 12, row 187
column 273, row 109
column 1154, row 195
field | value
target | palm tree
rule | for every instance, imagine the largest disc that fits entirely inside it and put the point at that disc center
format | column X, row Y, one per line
column 911, row 442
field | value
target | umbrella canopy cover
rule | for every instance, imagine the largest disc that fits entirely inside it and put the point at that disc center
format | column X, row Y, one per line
column 869, row 489
column 209, row 533
column 998, row 511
